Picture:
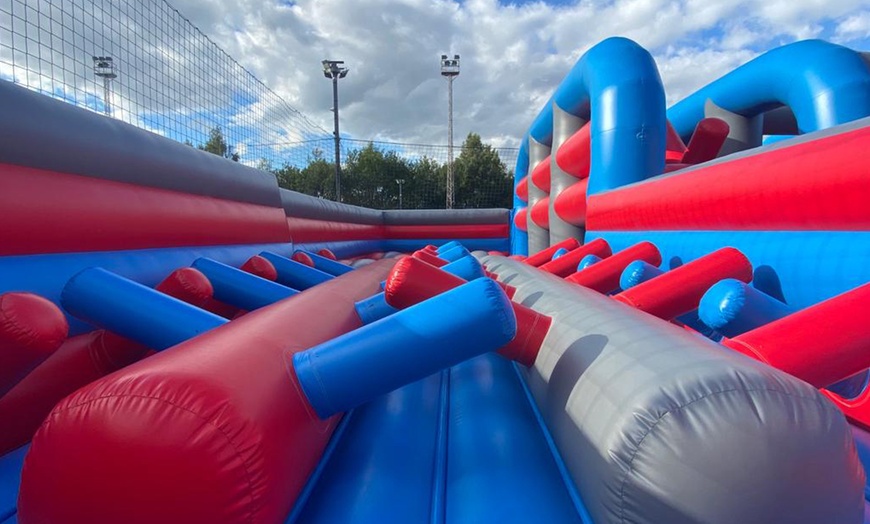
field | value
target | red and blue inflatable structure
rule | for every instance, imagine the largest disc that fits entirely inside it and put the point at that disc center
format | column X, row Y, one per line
column 669, row 327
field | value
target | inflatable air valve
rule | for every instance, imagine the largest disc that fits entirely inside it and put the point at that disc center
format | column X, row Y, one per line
column 327, row 254
column 412, row 281
column 134, row 311
column 822, row 344
column 239, row 288
column 257, row 265
column 294, row 274
column 587, row 261
column 326, row 265
column 303, row 258
column 449, row 245
column 604, row 276
column 433, row 335
column 732, row 307
column 546, row 255
column 373, row 308
column 559, row 253
column 567, row 264
column 31, row 329
column 454, row 254
column 429, row 258
column 679, row 290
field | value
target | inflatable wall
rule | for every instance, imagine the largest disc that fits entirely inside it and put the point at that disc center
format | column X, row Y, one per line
column 669, row 326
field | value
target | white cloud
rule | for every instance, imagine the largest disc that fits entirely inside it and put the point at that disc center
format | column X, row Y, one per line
column 854, row 27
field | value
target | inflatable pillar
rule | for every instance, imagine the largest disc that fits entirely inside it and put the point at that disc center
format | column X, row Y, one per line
column 564, row 126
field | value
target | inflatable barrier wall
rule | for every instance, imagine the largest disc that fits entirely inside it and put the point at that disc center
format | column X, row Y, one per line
column 670, row 326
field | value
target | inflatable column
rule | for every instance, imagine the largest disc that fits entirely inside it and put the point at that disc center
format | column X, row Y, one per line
column 564, row 126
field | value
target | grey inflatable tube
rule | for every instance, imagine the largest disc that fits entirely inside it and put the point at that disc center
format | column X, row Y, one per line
column 41, row 132
column 659, row 425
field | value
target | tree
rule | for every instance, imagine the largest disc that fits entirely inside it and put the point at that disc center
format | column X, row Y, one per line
column 481, row 179
column 217, row 145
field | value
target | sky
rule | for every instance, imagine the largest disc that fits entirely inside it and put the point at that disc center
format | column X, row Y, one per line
column 513, row 53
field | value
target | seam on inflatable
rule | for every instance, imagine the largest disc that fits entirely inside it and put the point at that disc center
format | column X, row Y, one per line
column 706, row 396
column 10, row 321
column 232, row 445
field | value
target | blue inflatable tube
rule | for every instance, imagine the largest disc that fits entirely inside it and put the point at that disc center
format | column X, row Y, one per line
column 239, row 288
column 824, row 84
column 732, row 307
column 448, row 246
column 467, row 268
column 453, row 254
column 328, row 265
column 134, row 311
column 373, row 308
column 617, row 85
column 433, row 335
column 587, row 261
column 295, row 275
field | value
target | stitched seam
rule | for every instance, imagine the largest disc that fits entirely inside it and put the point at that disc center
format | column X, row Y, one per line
column 232, row 445
column 652, row 427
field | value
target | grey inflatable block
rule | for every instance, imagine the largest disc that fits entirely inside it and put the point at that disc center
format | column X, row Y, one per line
column 304, row 206
column 744, row 133
column 658, row 425
column 410, row 217
column 780, row 121
column 38, row 131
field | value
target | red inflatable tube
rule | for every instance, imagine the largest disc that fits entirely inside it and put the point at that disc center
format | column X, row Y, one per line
column 709, row 136
column 50, row 212
column 574, row 154
column 785, row 179
column 540, row 213
column 31, row 329
column 674, row 146
column 567, row 263
column 257, row 265
column 570, row 205
column 678, row 291
column 521, row 219
column 821, row 344
column 447, row 231
column 326, row 253
column 215, row 429
column 429, row 258
column 541, row 175
column 545, row 255
column 604, row 276
column 413, row 281
column 522, row 189
column 82, row 359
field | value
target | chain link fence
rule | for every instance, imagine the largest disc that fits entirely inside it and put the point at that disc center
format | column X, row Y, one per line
column 143, row 62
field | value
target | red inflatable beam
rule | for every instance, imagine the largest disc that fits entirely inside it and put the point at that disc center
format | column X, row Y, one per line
column 31, row 329
column 821, row 344
column 50, row 212
column 413, row 281
column 521, row 219
column 303, row 258
column 785, row 179
column 309, row 230
column 573, row 156
column 540, row 213
column 429, row 258
column 522, row 189
column 567, row 263
column 541, row 175
column 216, row 429
column 570, row 205
column 82, row 359
column 545, row 255
column 675, row 149
column 709, row 136
column 679, row 291
column 604, row 276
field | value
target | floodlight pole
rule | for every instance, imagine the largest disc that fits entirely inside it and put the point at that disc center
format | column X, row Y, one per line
column 332, row 69
column 401, row 182
column 104, row 68
column 450, row 70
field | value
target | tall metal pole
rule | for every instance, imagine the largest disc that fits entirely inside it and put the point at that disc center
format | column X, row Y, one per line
column 104, row 67
column 450, row 142
column 107, row 96
column 337, row 139
column 450, row 70
column 401, row 182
